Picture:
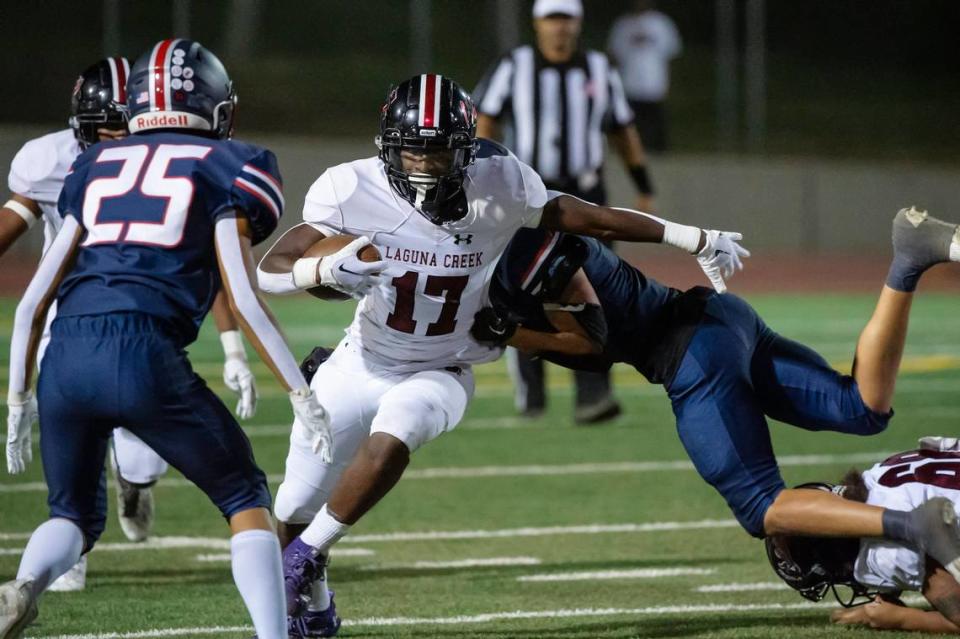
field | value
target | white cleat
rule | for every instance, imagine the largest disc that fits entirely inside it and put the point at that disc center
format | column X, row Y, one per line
column 134, row 506
column 74, row 580
column 18, row 608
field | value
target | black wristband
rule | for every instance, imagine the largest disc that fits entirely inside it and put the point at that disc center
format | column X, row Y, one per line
column 641, row 178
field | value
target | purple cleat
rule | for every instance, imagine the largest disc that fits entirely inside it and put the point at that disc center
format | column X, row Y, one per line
column 302, row 565
column 325, row 623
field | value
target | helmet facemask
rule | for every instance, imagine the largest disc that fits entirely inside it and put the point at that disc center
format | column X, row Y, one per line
column 428, row 174
column 814, row 566
column 86, row 125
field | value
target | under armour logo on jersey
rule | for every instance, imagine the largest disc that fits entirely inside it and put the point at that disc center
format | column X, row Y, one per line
column 466, row 238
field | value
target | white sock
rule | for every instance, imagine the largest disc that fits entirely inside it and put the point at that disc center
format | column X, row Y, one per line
column 54, row 547
column 319, row 595
column 954, row 250
column 324, row 531
column 258, row 574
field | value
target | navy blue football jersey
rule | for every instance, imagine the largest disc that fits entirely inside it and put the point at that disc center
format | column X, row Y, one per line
column 148, row 205
column 648, row 324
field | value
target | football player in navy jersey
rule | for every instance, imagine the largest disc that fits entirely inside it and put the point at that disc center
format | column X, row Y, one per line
column 99, row 112
column 154, row 225
column 573, row 301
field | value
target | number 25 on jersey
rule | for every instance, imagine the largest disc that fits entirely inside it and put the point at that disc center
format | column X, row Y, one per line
column 142, row 175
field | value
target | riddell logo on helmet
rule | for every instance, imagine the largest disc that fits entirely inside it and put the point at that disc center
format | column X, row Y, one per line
column 164, row 120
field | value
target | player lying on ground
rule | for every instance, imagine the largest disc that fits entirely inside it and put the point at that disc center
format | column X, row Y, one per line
column 37, row 172
column 440, row 207
column 574, row 302
column 153, row 225
column 874, row 568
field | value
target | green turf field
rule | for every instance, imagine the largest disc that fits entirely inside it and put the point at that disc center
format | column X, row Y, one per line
column 543, row 503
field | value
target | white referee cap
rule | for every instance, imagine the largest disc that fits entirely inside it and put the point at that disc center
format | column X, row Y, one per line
column 543, row 8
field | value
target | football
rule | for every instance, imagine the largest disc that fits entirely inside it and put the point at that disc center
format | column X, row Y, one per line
column 329, row 246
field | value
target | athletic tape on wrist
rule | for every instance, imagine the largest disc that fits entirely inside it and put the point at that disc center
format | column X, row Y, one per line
column 682, row 236
column 305, row 272
column 22, row 210
column 232, row 343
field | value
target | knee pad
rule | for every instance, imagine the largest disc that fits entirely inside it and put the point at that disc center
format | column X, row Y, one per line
column 412, row 420
column 297, row 502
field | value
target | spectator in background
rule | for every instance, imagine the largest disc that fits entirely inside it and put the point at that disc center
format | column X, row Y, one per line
column 643, row 43
column 555, row 102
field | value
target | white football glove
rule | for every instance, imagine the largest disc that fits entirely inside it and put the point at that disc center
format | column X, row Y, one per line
column 720, row 257
column 945, row 444
column 21, row 416
column 239, row 378
column 315, row 419
column 346, row 272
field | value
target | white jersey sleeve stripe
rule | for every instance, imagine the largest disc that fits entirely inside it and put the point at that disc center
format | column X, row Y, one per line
column 260, row 194
column 270, row 182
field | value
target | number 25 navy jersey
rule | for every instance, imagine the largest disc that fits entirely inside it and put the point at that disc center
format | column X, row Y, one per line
column 148, row 205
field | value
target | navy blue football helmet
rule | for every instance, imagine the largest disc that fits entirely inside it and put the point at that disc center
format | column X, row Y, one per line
column 429, row 115
column 179, row 84
column 99, row 100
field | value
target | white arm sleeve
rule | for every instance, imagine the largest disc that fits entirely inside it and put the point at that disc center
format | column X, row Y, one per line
column 262, row 330
column 35, row 302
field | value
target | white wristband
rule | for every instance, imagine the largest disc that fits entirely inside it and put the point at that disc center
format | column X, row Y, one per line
column 233, row 345
column 681, row 236
column 305, row 272
column 22, row 210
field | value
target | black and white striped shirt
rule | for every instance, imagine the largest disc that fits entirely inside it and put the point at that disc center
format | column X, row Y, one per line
column 555, row 115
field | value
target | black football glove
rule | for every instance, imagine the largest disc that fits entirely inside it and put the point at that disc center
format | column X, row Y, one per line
column 312, row 362
column 492, row 328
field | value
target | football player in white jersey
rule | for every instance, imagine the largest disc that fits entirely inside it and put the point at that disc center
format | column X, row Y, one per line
column 37, row 172
column 440, row 206
column 878, row 569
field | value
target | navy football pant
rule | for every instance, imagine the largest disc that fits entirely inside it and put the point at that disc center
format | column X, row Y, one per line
column 735, row 373
column 103, row 371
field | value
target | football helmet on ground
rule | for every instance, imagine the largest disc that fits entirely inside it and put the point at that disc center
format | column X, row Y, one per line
column 814, row 565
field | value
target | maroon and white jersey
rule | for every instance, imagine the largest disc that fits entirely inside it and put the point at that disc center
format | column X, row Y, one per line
column 903, row 482
column 38, row 171
column 419, row 317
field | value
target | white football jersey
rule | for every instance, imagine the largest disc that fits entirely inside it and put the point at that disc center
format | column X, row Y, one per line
column 38, row 171
column 419, row 317
column 903, row 482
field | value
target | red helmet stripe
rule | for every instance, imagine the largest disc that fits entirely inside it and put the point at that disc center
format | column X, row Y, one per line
column 119, row 68
column 429, row 100
column 160, row 74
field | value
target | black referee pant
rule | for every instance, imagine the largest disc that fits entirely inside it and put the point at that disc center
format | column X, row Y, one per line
column 593, row 390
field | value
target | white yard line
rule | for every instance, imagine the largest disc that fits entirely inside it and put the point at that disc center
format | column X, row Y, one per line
column 224, row 557
column 15, row 536
column 604, row 575
column 737, row 587
column 533, row 470
column 474, row 619
column 547, row 531
column 168, row 543
column 210, row 543
column 483, row 562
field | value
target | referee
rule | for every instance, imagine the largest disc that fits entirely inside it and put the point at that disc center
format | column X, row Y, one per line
column 555, row 102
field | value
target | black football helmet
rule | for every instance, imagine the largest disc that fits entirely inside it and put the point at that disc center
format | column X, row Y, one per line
column 178, row 84
column 430, row 115
column 814, row 565
column 99, row 100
